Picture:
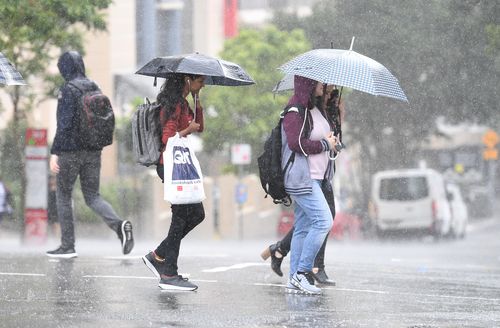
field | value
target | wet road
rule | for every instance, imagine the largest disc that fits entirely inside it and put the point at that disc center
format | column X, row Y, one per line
column 394, row 283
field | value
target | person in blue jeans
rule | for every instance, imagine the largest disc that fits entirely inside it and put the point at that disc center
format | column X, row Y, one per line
column 307, row 135
column 278, row 251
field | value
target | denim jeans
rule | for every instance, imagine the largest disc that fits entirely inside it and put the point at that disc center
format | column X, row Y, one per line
column 285, row 243
column 313, row 221
column 87, row 165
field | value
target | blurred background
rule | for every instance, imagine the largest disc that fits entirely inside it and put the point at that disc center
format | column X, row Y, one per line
column 444, row 53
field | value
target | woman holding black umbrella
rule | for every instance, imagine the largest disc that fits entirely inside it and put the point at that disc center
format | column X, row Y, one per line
column 177, row 117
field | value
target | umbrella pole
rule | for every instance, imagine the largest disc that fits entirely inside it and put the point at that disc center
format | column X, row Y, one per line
column 339, row 117
column 195, row 101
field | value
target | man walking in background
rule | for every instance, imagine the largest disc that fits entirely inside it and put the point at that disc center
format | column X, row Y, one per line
column 72, row 157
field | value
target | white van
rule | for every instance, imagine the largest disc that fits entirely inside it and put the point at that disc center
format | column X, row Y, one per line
column 410, row 199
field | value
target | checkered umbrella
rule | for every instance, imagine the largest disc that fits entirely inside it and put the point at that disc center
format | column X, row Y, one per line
column 8, row 74
column 345, row 68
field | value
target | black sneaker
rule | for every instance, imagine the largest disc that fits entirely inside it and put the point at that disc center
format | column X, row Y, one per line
column 322, row 278
column 62, row 252
column 126, row 237
column 153, row 264
column 177, row 282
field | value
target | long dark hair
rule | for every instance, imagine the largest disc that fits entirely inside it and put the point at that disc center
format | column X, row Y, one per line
column 171, row 94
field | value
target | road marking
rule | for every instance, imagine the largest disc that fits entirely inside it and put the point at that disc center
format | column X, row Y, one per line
column 458, row 297
column 22, row 274
column 272, row 285
column 123, row 257
column 118, row 277
column 234, row 267
column 136, row 257
column 389, row 293
column 359, row 290
column 138, row 277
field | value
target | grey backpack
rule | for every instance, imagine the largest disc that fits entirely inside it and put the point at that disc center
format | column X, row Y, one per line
column 146, row 133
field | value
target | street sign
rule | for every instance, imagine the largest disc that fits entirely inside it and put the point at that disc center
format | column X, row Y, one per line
column 490, row 154
column 490, row 139
column 35, row 215
column 241, row 193
column 241, row 154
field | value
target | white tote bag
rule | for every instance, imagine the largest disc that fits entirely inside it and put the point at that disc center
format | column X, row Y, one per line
column 183, row 180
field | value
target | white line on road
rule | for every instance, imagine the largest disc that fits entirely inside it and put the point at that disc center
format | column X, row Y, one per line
column 360, row 290
column 329, row 288
column 22, row 274
column 123, row 257
column 138, row 277
column 272, row 285
column 234, row 267
column 118, row 277
column 389, row 293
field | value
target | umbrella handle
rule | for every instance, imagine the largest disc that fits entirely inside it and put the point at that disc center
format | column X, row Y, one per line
column 195, row 101
column 334, row 157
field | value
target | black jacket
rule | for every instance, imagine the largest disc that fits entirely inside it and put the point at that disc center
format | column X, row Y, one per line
column 72, row 69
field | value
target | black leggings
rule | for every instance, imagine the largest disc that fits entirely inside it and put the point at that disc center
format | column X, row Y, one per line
column 184, row 219
column 319, row 261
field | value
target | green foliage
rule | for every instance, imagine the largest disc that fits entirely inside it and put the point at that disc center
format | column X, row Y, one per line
column 493, row 46
column 443, row 52
column 32, row 35
column 247, row 114
column 31, row 30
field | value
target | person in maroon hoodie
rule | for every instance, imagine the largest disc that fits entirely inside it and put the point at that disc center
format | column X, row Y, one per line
column 177, row 117
column 278, row 251
column 308, row 137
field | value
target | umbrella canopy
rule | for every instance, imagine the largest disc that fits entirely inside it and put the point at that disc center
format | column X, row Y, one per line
column 345, row 68
column 284, row 84
column 216, row 71
column 8, row 74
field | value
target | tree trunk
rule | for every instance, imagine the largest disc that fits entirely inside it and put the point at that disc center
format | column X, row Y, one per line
column 18, row 154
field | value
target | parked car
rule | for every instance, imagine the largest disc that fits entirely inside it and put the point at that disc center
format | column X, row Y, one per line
column 410, row 200
column 459, row 211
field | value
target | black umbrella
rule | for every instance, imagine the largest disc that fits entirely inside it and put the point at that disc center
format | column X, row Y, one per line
column 217, row 71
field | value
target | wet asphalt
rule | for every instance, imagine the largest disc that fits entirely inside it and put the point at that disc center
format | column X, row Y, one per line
column 397, row 282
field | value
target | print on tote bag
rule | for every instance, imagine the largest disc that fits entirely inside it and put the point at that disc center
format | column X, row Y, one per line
column 184, row 168
column 182, row 172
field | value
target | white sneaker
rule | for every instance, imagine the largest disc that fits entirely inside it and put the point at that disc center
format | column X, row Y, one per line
column 291, row 289
column 305, row 282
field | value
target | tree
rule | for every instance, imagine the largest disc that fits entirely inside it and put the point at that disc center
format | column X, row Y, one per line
column 247, row 114
column 442, row 52
column 32, row 35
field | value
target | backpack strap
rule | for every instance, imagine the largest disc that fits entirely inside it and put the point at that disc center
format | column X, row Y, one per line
column 82, row 90
column 73, row 84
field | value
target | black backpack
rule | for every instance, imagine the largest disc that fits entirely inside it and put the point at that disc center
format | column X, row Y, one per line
column 96, row 120
column 271, row 175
